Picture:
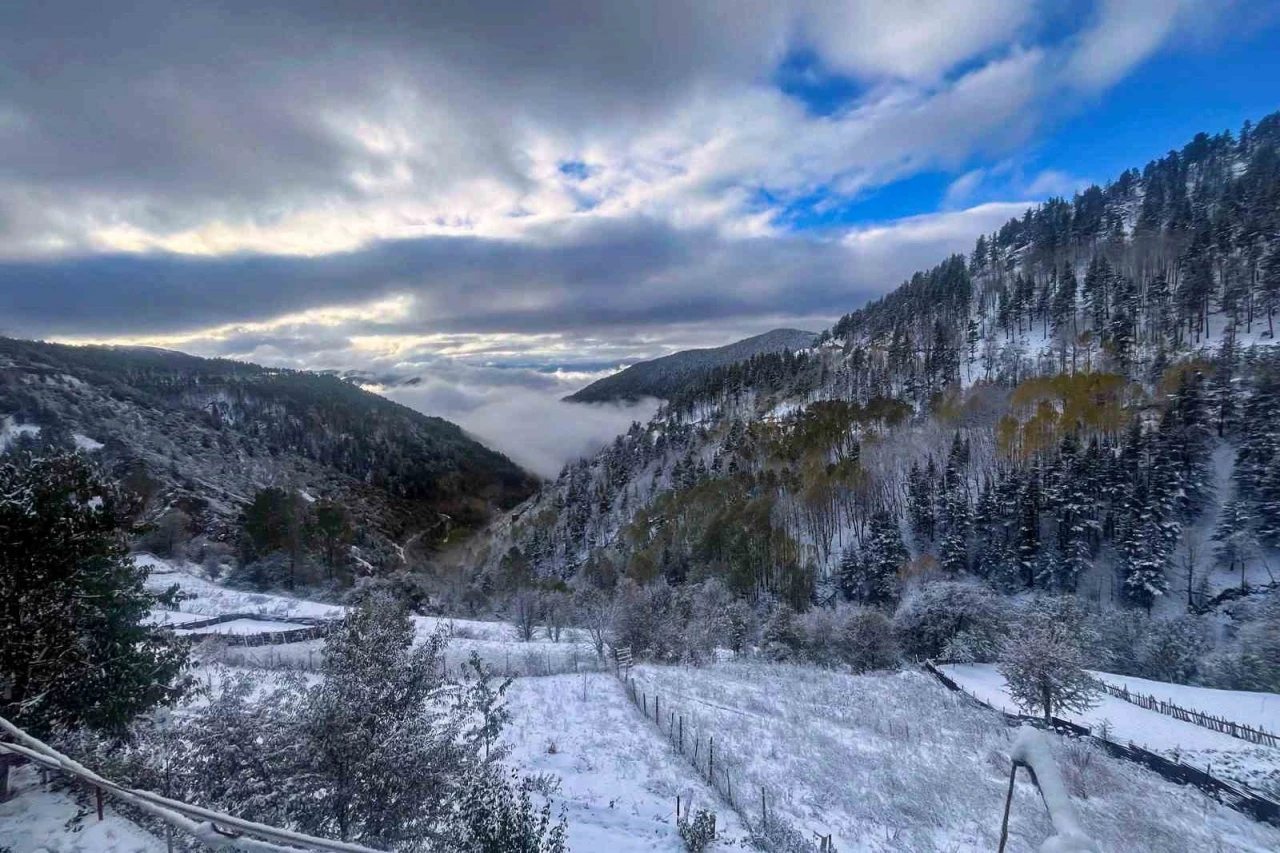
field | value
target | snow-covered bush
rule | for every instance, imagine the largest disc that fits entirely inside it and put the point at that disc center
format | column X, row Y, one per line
column 1171, row 649
column 697, row 832
column 780, row 638
column 858, row 637
column 383, row 750
column 498, row 815
column 932, row 614
column 1252, row 661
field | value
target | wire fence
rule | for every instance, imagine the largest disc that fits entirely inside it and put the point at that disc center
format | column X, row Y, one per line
column 751, row 803
column 1208, row 721
column 1241, row 799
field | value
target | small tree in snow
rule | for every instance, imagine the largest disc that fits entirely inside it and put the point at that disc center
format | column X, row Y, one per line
column 1044, row 666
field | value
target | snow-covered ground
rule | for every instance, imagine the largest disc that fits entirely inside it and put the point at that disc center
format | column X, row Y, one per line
column 618, row 778
column 38, row 821
column 1226, row 757
column 497, row 643
column 10, row 431
column 1260, row 710
column 896, row 762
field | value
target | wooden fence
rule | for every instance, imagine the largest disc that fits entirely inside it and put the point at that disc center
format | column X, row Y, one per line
column 1241, row 799
column 309, row 629
column 700, row 750
column 1208, row 721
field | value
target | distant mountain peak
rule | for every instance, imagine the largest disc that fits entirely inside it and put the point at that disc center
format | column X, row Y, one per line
column 661, row 377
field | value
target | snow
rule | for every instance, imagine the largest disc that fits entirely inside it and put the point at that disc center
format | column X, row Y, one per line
column 36, row 821
column 212, row 599
column 618, row 778
column 1032, row 748
column 894, row 762
column 1227, row 757
column 83, row 442
column 10, row 431
column 1260, row 710
column 242, row 627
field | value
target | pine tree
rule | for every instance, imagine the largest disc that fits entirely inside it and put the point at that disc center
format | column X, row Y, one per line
column 1236, row 543
column 884, row 556
column 76, row 648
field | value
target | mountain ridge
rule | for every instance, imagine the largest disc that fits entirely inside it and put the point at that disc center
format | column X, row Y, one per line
column 661, row 377
column 206, row 435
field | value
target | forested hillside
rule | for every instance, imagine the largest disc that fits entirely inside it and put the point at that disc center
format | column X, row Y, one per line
column 218, row 451
column 664, row 377
column 1087, row 403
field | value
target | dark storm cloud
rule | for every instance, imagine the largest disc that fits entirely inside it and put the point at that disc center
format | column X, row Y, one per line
column 640, row 272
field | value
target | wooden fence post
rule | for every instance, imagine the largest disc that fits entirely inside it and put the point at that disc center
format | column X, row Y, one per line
column 711, row 758
column 682, row 734
column 1008, row 803
column 97, row 793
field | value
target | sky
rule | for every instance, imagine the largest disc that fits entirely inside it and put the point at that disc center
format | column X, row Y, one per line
column 509, row 199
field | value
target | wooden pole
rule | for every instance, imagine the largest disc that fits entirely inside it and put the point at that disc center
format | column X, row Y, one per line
column 97, row 792
column 1008, row 803
column 682, row 734
column 711, row 758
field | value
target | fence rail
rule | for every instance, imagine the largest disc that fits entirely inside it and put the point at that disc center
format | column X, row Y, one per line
column 311, row 629
column 214, row 829
column 1242, row 800
column 1208, row 721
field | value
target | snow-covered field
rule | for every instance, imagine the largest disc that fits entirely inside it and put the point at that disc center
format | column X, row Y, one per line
column 1226, row 757
column 618, row 778
column 1260, row 710
column 497, row 643
column 886, row 762
column 896, row 762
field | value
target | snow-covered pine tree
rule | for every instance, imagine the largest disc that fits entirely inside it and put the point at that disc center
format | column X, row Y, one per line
column 883, row 558
column 75, row 647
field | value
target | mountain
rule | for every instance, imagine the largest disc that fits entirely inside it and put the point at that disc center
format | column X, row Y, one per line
column 665, row 376
column 200, row 438
column 1084, row 404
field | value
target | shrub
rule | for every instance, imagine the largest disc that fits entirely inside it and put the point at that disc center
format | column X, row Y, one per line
column 699, row 832
column 932, row 614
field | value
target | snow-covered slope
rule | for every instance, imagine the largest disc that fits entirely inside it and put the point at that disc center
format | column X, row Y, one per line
column 1230, row 758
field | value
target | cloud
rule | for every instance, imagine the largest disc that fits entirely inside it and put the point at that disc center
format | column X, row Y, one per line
column 536, row 429
column 962, row 188
column 504, row 198
column 1127, row 32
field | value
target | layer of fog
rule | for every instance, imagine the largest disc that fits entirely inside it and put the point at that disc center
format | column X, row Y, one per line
column 535, row 428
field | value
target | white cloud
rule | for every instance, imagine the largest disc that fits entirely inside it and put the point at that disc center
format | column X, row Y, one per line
column 1126, row 32
column 963, row 188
